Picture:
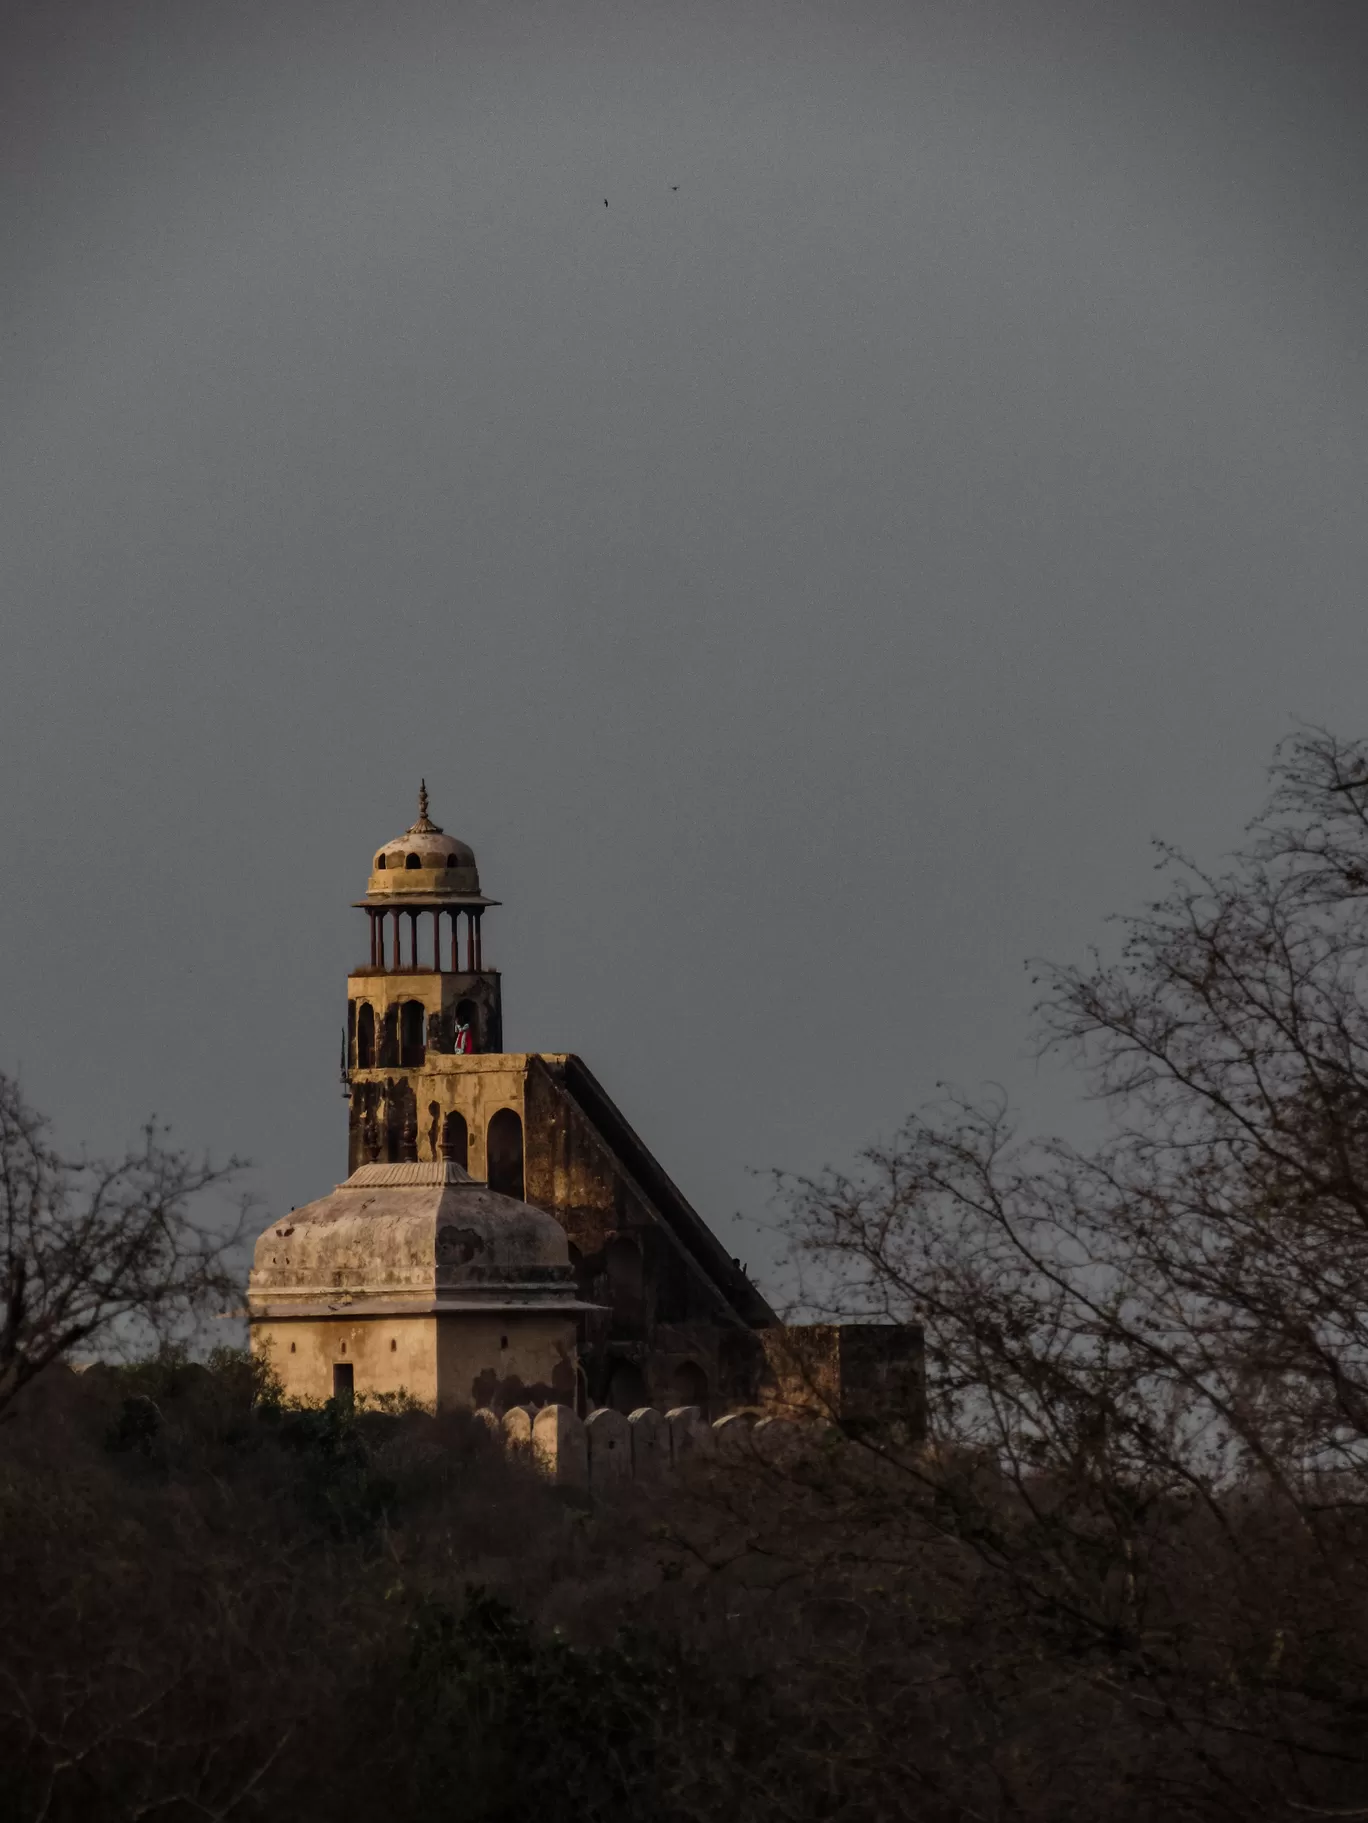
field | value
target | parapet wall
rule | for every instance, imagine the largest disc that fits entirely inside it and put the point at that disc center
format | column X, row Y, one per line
column 607, row 1450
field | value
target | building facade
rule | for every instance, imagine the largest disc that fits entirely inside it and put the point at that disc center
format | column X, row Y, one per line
column 662, row 1315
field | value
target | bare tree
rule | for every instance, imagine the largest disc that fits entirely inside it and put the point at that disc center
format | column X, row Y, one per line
column 98, row 1250
column 1148, row 1359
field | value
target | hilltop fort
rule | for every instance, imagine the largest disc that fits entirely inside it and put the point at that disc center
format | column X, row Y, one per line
column 504, row 1237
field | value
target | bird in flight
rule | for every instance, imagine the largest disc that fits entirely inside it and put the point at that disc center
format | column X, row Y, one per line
column 605, row 202
column 674, row 186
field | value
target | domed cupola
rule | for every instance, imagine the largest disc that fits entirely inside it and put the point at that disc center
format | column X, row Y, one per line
column 424, row 863
column 425, row 870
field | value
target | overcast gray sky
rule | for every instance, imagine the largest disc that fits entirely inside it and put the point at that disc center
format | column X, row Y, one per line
column 808, row 589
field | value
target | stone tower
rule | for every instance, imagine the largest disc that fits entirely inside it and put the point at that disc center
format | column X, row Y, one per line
column 425, row 993
column 665, row 1316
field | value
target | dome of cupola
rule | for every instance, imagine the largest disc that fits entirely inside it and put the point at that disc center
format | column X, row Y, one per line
column 424, row 862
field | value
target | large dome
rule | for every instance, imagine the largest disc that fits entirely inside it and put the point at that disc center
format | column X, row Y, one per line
column 423, row 861
column 410, row 1238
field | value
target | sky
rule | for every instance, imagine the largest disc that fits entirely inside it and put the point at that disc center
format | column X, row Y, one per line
column 809, row 581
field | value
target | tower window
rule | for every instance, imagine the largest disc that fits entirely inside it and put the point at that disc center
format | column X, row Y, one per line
column 412, row 1049
column 380, row 864
column 451, row 860
column 456, row 1139
column 365, row 1037
column 504, row 1154
column 412, row 861
column 394, row 1346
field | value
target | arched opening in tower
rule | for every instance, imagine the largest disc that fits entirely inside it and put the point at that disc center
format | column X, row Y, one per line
column 456, row 1139
column 412, row 1049
column 626, row 1276
column 504, row 1153
column 365, row 1037
column 467, row 1031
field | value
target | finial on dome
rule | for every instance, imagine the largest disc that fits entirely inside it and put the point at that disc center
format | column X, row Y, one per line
column 424, row 826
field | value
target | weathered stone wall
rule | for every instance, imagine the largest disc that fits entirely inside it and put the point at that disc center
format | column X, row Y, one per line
column 859, row 1375
column 395, row 1355
column 609, row 1452
column 450, row 1362
column 502, row 1360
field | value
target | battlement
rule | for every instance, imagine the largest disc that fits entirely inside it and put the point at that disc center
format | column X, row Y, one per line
column 607, row 1451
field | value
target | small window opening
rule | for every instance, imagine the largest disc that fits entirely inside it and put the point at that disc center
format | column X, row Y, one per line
column 451, row 860
column 394, row 1346
column 379, row 864
column 456, row 1139
column 503, row 1341
column 344, row 1348
column 412, row 1045
column 365, row 1037
column 412, row 861
column 292, row 1348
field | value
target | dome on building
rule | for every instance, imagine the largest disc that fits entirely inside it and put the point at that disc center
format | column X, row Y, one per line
column 424, row 861
column 412, row 1239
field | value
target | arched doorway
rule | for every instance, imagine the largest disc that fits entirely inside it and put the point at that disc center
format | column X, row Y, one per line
column 456, row 1139
column 623, row 1259
column 365, row 1037
column 412, row 1050
column 504, row 1153
column 466, row 1035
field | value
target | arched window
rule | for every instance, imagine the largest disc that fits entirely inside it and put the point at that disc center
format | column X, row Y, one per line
column 365, row 1037
column 412, row 1050
column 627, row 1390
column 456, row 1139
column 623, row 1259
column 467, row 1033
column 689, row 1386
column 451, row 861
column 412, row 861
column 379, row 864
column 504, row 1153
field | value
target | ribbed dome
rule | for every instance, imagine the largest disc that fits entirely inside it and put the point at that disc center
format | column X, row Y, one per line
column 424, row 859
column 412, row 1236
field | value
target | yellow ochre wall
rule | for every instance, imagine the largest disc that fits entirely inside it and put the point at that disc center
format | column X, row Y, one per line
column 476, row 1086
column 303, row 1353
column 446, row 1363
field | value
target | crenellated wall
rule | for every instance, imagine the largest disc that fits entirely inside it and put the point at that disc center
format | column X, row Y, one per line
column 608, row 1450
